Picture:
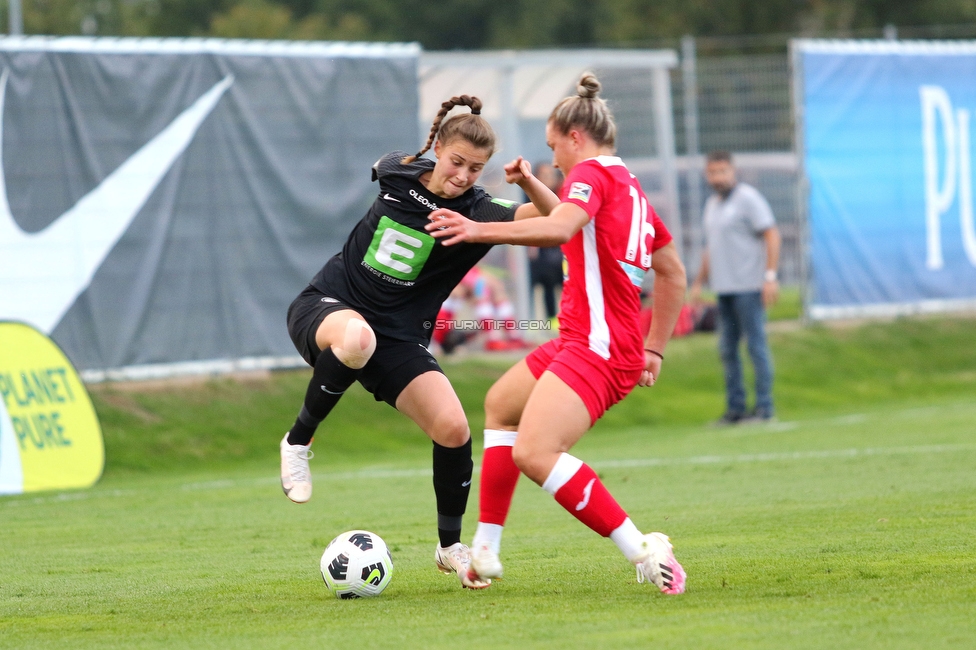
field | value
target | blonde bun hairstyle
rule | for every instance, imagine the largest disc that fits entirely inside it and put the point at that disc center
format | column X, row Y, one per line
column 587, row 111
column 588, row 87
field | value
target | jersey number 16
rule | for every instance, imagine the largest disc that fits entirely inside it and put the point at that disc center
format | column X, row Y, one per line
column 640, row 230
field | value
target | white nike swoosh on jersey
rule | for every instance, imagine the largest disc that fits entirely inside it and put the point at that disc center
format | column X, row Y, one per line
column 43, row 273
column 391, row 198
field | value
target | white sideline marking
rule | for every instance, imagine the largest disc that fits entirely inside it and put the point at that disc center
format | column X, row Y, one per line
column 761, row 428
column 605, row 464
column 855, row 418
column 788, row 455
column 376, row 473
column 210, row 485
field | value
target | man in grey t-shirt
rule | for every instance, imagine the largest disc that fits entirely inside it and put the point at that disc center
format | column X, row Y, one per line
column 739, row 262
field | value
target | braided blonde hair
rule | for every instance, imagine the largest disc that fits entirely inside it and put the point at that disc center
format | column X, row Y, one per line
column 587, row 112
column 468, row 126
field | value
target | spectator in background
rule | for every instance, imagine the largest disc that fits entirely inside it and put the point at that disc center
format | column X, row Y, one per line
column 739, row 263
column 546, row 264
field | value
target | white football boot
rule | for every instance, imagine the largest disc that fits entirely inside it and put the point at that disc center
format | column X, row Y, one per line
column 485, row 563
column 456, row 558
column 296, row 477
column 659, row 565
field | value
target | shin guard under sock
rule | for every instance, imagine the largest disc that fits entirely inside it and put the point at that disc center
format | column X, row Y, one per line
column 452, row 484
column 580, row 491
column 330, row 379
column 499, row 476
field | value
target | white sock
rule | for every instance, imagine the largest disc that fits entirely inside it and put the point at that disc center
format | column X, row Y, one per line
column 629, row 540
column 490, row 534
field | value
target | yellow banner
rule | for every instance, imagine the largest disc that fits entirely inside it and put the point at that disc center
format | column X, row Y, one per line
column 50, row 438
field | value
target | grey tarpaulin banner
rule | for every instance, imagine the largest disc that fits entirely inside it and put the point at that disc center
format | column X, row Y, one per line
column 164, row 200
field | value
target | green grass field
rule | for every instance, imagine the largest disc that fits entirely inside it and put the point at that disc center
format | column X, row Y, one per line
column 847, row 524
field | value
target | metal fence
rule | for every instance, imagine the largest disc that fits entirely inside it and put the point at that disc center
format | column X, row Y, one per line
column 738, row 102
column 520, row 88
column 734, row 94
column 723, row 96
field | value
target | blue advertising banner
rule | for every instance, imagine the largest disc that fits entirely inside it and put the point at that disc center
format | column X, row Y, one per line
column 885, row 132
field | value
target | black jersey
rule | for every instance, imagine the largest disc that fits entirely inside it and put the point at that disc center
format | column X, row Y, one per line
column 394, row 272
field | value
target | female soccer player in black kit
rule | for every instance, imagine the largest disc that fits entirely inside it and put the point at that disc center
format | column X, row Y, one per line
column 368, row 315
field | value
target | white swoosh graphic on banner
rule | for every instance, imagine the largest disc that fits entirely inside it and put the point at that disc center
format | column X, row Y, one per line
column 43, row 273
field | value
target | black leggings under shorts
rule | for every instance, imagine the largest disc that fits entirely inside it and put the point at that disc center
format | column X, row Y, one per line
column 394, row 364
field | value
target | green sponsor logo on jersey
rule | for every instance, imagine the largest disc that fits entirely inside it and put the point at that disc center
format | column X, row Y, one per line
column 398, row 251
column 504, row 202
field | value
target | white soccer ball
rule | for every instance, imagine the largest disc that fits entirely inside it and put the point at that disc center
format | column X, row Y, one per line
column 357, row 564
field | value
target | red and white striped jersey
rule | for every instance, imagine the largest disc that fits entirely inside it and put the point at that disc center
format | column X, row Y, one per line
column 607, row 260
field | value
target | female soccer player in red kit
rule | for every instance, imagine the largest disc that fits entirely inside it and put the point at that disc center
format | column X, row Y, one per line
column 544, row 404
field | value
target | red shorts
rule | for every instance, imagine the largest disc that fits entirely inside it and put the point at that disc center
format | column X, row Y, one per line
column 598, row 384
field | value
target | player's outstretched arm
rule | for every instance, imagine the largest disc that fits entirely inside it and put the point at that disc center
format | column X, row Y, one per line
column 453, row 228
column 670, row 282
column 543, row 200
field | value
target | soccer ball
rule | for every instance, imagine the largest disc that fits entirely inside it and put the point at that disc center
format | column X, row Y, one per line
column 357, row 564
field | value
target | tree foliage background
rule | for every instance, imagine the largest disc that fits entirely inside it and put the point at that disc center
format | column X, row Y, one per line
column 472, row 24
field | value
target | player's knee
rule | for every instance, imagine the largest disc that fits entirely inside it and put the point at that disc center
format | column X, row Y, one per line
column 526, row 460
column 494, row 402
column 529, row 462
column 357, row 345
column 451, row 431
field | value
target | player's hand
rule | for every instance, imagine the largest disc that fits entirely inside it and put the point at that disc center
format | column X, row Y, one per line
column 652, row 369
column 451, row 227
column 517, row 171
column 694, row 294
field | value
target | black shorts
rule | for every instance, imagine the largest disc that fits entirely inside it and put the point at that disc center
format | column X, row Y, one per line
column 394, row 364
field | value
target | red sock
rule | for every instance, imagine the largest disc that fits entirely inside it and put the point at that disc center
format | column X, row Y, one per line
column 499, row 476
column 578, row 489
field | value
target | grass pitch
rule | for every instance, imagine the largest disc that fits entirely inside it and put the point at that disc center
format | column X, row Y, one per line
column 847, row 524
